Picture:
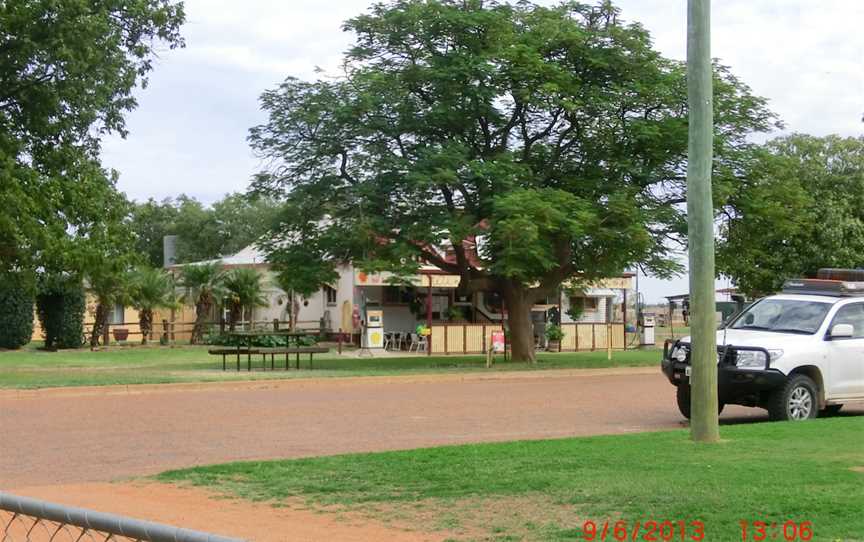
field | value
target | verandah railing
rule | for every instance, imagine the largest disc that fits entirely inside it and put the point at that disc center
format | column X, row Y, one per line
column 477, row 338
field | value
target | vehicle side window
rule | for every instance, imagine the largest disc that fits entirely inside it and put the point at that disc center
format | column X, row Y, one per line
column 851, row 314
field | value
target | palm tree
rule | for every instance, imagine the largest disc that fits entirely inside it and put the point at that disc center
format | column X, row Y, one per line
column 150, row 289
column 204, row 285
column 110, row 287
column 245, row 291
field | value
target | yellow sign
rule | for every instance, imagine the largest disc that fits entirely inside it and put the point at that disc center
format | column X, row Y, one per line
column 438, row 281
column 616, row 283
column 421, row 281
column 613, row 283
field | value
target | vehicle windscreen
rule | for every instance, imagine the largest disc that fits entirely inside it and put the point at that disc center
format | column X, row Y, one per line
column 783, row 316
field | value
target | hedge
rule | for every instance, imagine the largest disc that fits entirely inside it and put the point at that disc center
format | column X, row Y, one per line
column 261, row 341
column 16, row 313
column 60, row 303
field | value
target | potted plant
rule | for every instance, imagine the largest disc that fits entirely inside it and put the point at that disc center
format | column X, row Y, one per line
column 120, row 334
column 553, row 338
column 455, row 314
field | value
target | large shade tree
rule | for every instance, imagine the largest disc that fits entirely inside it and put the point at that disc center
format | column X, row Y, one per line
column 299, row 273
column 799, row 207
column 68, row 69
column 552, row 138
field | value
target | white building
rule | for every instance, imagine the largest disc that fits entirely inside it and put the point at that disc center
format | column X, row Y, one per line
column 340, row 306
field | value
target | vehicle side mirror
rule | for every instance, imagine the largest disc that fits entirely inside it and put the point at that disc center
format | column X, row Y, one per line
column 842, row 331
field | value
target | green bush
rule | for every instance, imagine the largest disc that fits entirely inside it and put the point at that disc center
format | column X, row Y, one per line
column 60, row 303
column 261, row 341
column 16, row 313
column 554, row 333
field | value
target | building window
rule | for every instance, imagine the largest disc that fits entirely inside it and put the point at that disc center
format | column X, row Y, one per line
column 585, row 303
column 330, row 295
column 397, row 295
column 116, row 315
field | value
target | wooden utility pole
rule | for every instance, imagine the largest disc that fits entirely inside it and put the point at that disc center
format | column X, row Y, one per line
column 700, row 225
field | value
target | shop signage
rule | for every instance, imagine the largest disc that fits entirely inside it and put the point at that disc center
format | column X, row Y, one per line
column 421, row 281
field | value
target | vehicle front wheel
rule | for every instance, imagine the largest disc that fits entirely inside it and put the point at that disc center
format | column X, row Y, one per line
column 796, row 401
column 683, row 398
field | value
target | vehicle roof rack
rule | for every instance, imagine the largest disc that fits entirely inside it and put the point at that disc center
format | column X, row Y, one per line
column 833, row 273
column 838, row 288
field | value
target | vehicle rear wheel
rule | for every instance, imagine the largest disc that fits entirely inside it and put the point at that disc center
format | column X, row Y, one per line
column 683, row 398
column 831, row 410
column 796, row 401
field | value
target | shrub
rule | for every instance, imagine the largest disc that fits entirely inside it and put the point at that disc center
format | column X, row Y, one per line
column 554, row 333
column 261, row 341
column 16, row 313
column 455, row 313
column 61, row 302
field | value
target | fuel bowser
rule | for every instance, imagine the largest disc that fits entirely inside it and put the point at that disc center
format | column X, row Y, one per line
column 646, row 337
column 374, row 329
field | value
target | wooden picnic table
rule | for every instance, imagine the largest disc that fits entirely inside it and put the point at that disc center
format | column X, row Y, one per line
column 250, row 335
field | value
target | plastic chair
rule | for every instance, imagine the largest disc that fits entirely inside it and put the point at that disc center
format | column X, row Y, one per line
column 414, row 345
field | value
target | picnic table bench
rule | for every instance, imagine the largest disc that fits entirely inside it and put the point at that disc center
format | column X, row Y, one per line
column 273, row 352
column 297, row 350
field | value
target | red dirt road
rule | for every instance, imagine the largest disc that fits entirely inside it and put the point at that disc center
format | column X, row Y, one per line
column 195, row 508
column 72, row 436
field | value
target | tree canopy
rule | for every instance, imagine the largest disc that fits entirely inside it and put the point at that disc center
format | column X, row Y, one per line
column 552, row 139
column 204, row 232
column 800, row 207
column 67, row 73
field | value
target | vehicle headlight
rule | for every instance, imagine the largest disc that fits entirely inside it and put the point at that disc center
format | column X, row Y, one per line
column 751, row 359
column 775, row 354
column 679, row 354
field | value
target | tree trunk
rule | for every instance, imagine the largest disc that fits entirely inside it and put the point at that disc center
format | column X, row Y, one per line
column 518, row 302
column 291, row 310
column 295, row 311
column 202, row 309
column 99, row 322
column 145, row 322
column 234, row 315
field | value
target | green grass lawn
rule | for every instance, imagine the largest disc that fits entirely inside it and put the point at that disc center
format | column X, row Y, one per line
column 546, row 490
column 32, row 368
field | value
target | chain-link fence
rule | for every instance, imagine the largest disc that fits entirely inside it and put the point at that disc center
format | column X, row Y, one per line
column 23, row 519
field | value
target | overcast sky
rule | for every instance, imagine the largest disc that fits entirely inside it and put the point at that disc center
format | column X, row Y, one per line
column 188, row 134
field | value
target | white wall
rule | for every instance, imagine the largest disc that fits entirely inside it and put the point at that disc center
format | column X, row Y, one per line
column 588, row 316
